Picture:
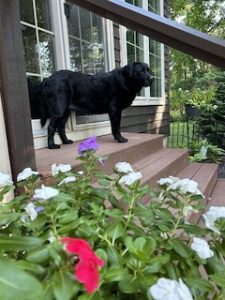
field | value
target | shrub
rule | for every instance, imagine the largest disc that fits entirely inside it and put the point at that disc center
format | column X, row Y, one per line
column 93, row 236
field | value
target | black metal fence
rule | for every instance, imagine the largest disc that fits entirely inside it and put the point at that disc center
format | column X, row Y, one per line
column 183, row 134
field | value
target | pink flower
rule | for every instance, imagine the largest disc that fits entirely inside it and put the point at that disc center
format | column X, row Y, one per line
column 86, row 270
column 89, row 144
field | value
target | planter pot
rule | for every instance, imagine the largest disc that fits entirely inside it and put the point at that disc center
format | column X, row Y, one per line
column 191, row 111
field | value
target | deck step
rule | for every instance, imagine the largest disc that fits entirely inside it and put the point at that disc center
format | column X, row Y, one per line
column 205, row 174
column 217, row 197
column 163, row 163
column 138, row 146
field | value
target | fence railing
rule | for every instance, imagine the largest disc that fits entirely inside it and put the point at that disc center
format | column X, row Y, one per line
column 183, row 134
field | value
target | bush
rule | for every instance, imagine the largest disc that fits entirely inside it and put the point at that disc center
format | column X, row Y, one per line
column 92, row 236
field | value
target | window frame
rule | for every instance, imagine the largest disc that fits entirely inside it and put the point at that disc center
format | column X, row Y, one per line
column 146, row 99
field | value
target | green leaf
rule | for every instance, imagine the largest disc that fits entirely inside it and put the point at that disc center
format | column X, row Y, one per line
column 17, row 284
column 130, row 245
column 64, row 287
column 38, row 255
column 194, row 229
column 115, row 274
column 219, row 278
column 115, row 231
column 7, row 218
column 27, row 266
column 200, row 284
column 181, row 248
column 19, row 243
column 155, row 264
column 113, row 255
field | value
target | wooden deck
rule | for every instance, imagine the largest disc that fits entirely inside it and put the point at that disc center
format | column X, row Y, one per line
column 146, row 154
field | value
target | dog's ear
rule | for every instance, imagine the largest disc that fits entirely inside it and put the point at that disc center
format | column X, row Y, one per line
column 128, row 70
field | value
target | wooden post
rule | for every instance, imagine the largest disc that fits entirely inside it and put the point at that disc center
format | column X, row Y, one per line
column 14, row 90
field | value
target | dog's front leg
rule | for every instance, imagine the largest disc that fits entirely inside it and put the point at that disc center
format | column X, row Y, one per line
column 115, row 118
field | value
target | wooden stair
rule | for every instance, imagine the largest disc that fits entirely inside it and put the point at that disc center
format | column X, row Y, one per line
column 146, row 153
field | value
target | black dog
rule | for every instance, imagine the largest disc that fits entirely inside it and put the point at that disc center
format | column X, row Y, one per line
column 91, row 94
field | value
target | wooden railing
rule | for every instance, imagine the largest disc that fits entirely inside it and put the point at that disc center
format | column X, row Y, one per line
column 180, row 37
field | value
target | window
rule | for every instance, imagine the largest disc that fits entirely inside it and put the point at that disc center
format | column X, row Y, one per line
column 38, row 40
column 142, row 48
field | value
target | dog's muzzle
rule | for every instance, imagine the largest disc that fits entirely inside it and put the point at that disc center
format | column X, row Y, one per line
column 148, row 81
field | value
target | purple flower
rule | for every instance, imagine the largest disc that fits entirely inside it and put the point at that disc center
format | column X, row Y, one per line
column 89, row 144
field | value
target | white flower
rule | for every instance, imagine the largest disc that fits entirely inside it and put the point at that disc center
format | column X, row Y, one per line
column 60, row 168
column 45, row 193
column 202, row 248
column 124, row 167
column 186, row 186
column 188, row 210
column 130, row 178
column 26, row 173
column 168, row 180
column 80, row 172
column 214, row 213
column 168, row 289
column 5, row 179
column 67, row 179
column 30, row 210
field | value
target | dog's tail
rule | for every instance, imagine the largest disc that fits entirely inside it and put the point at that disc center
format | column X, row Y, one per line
column 43, row 107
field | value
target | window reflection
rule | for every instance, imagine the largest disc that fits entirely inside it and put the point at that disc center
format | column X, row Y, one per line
column 85, row 41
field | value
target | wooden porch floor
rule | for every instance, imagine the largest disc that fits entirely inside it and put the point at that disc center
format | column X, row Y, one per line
column 67, row 153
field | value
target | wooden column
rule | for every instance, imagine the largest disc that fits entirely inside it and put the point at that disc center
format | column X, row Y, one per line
column 14, row 90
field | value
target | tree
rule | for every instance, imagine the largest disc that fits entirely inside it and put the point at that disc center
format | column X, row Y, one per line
column 206, row 16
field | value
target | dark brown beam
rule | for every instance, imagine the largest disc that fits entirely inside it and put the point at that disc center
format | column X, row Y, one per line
column 180, row 37
column 14, row 91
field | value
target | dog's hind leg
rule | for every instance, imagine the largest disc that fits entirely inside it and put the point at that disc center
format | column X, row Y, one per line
column 51, row 131
column 61, row 128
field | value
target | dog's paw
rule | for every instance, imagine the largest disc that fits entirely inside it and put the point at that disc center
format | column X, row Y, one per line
column 68, row 142
column 121, row 139
column 53, row 146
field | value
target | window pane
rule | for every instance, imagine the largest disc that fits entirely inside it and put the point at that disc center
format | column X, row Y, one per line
column 130, row 36
column 43, row 14
column 93, row 58
column 73, row 21
column 30, row 49
column 139, row 40
column 130, row 53
column 75, row 55
column 33, row 84
column 46, row 50
column 85, row 21
column 139, row 55
column 27, row 11
column 97, row 33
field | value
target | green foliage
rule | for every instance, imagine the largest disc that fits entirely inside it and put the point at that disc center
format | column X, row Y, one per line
column 204, row 151
column 139, row 243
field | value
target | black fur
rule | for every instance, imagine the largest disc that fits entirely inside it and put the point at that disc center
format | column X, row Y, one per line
column 91, row 94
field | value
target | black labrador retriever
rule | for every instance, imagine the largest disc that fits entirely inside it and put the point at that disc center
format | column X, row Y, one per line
column 109, row 92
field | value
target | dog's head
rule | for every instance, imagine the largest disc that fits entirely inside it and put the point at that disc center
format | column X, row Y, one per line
column 138, row 74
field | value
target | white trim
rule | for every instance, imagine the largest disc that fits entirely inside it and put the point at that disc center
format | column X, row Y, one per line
column 80, row 132
column 109, row 43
